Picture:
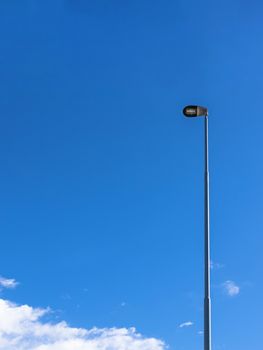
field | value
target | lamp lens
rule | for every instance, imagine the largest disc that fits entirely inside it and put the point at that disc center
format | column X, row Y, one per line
column 190, row 111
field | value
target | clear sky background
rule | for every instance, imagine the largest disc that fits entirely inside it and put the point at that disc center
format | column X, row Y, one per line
column 101, row 177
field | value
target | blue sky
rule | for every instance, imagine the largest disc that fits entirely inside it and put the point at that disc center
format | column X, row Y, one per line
column 101, row 189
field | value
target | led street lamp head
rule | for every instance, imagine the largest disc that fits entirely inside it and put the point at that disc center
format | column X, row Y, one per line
column 195, row 111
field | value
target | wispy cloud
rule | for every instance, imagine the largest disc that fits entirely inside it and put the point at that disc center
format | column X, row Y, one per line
column 186, row 324
column 66, row 296
column 8, row 283
column 22, row 328
column 231, row 288
column 215, row 265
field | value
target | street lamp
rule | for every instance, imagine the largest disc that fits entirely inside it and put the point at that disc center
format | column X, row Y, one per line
column 198, row 111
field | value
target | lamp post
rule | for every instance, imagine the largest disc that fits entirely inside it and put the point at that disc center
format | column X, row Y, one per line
column 198, row 111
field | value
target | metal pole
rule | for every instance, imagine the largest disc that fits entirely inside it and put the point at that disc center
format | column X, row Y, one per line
column 207, row 300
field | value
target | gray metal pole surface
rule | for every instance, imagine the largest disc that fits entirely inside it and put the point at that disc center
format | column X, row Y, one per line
column 207, row 300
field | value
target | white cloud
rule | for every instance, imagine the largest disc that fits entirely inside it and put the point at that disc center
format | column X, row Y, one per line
column 8, row 283
column 186, row 324
column 22, row 328
column 231, row 288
